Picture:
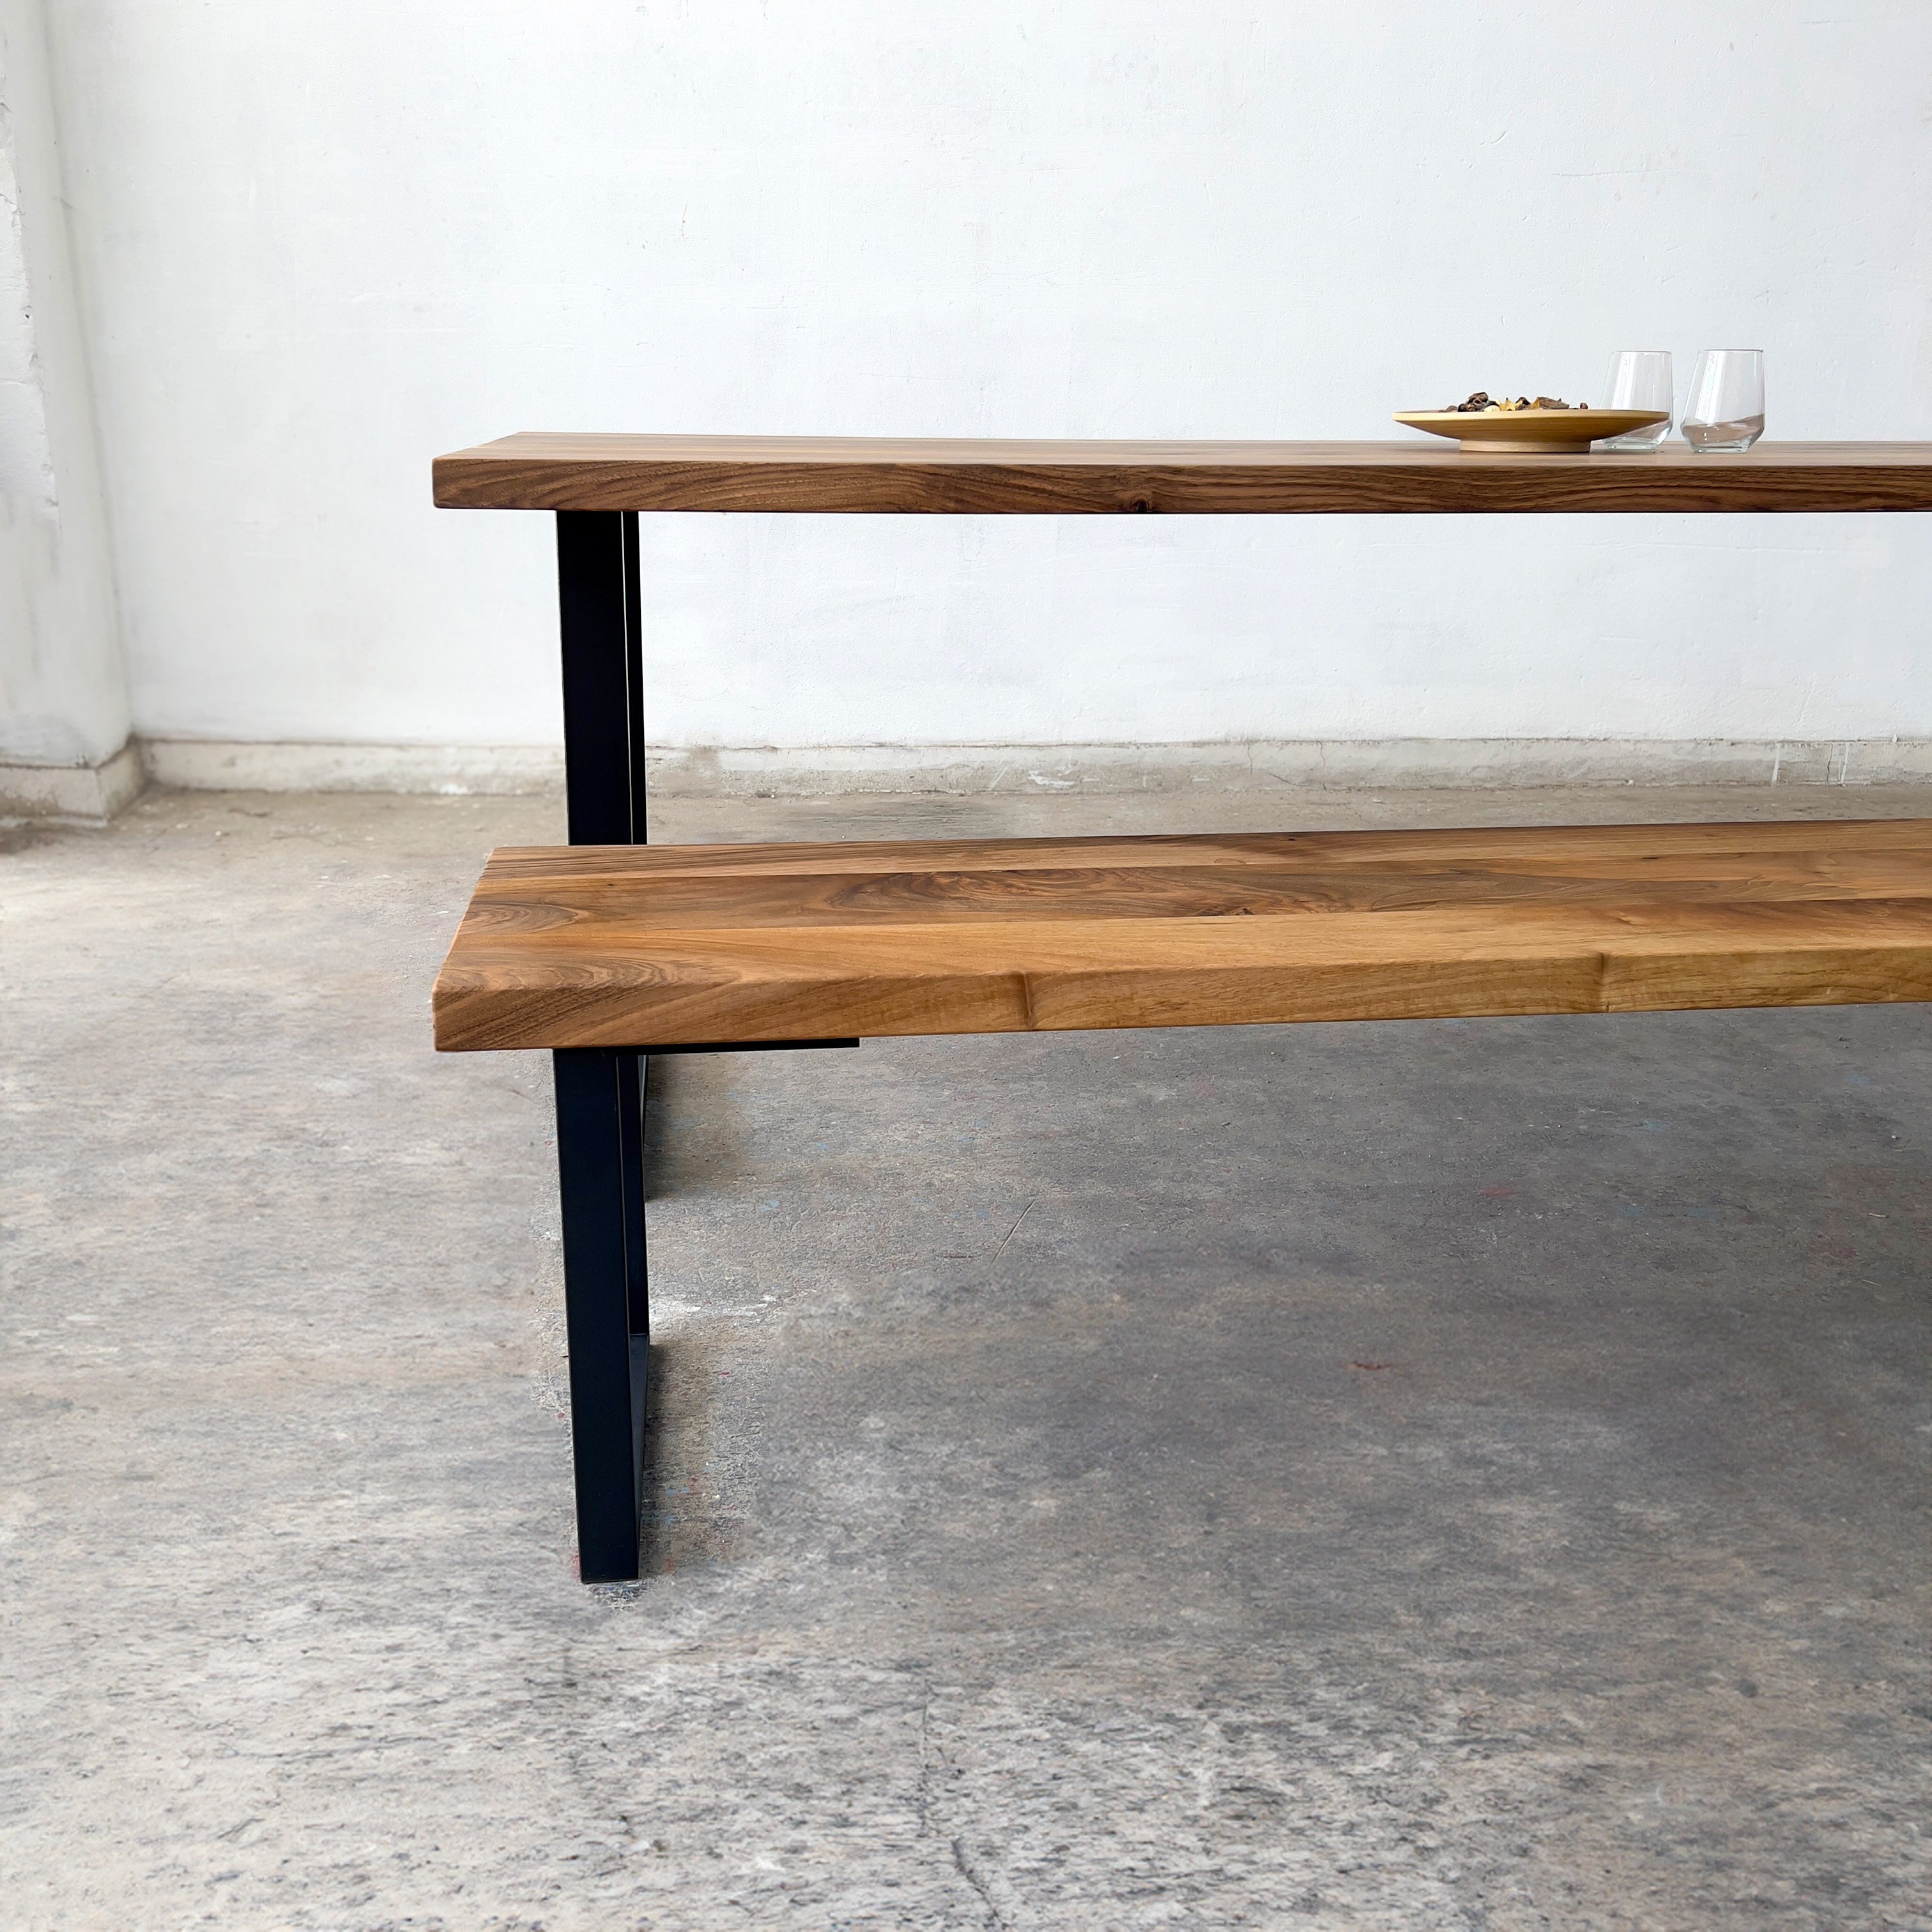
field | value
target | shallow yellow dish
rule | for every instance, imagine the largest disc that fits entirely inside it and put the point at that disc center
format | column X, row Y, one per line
column 1531, row 432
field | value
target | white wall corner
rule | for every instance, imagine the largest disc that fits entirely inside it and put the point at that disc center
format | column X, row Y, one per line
column 63, row 703
column 72, row 794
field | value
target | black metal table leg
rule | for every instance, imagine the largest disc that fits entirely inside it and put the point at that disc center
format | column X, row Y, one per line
column 607, row 1354
column 602, row 631
column 600, row 1095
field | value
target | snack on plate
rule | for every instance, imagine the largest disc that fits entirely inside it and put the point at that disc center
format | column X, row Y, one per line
column 1482, row 401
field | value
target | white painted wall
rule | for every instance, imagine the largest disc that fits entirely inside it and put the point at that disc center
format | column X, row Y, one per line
column 324, row 239
column 63, row 698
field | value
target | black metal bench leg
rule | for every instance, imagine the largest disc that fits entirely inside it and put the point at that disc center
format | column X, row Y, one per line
column 598, row 1123
column 599, row 1094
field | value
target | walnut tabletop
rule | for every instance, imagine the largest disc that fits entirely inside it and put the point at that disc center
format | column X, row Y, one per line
column 892, row 475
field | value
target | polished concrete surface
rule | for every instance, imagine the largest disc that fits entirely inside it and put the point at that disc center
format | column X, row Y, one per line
column 1459, row 1475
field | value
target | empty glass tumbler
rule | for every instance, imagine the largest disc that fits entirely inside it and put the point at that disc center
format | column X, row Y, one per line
column 1640, row 379
column 1725, row 409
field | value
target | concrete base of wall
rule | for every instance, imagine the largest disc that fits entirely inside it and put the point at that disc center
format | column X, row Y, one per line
column 72, row 794
column 200, row 764
column 965, row 770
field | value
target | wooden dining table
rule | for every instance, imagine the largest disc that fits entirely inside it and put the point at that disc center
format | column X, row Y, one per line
column 597, row 486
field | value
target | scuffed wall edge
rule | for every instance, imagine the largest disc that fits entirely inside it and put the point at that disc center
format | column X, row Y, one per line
column 199, row 764
column 72, row 794
column 827, row 770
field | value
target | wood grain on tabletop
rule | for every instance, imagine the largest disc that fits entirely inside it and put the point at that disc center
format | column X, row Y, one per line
column 635, row 946
column 536, row 471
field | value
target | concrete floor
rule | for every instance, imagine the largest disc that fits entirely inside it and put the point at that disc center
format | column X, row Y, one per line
column 1462, row 1475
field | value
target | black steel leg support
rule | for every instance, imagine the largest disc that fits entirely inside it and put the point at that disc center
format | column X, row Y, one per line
column 603, row 676
column 607, row 1356
column 600, row 1094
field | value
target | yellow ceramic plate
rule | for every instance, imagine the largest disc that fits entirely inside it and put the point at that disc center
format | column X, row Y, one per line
column 1532, row 432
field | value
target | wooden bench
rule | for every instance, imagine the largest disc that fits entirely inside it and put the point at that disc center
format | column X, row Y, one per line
column 656, row 946
column 605, row 954
column 603, row 950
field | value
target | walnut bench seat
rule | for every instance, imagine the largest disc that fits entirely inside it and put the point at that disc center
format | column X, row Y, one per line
column 608, row 953
column 645, row 947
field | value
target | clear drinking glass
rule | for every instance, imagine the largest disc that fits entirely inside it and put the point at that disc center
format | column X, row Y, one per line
column 1640, row 379
column 1725, row 409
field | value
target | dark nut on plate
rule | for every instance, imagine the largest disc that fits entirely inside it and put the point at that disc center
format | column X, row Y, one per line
column 1480, row 400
